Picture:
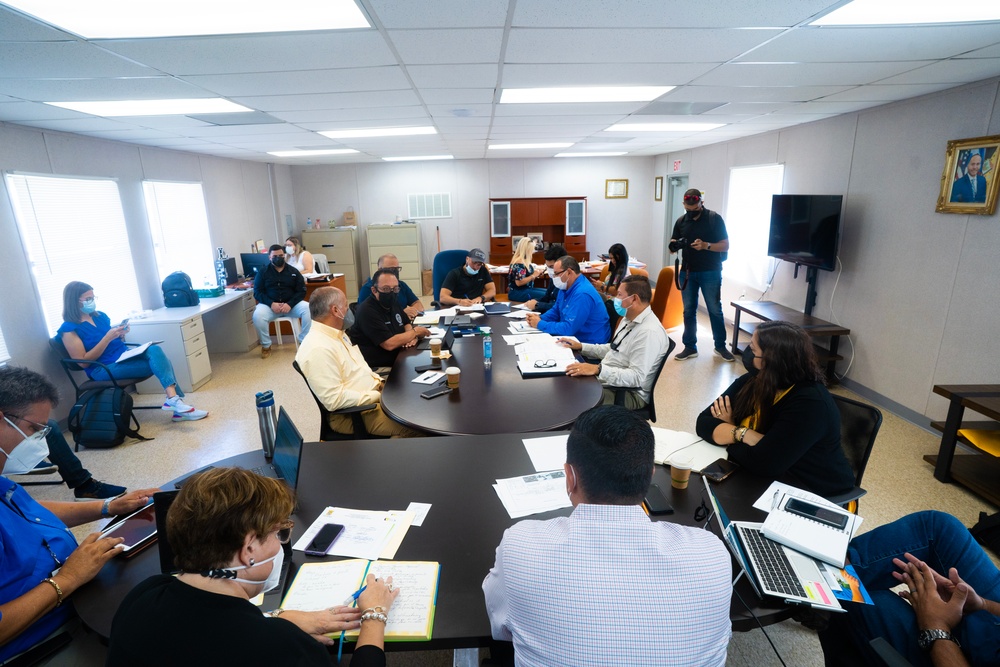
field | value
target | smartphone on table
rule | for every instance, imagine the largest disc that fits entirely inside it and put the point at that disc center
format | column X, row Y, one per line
column 824, row 515
column 655, row 501
column 721, row 469
column 324, row 539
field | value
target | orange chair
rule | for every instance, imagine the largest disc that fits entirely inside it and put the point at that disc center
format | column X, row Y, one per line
column 667, row 302
column 634, row 271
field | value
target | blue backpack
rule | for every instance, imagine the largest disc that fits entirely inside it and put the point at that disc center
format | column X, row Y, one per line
column 178, row 291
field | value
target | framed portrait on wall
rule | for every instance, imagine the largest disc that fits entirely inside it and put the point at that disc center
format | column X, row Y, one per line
column 969, row 182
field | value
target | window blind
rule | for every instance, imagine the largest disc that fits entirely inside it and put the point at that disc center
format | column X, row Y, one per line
column 178, row 224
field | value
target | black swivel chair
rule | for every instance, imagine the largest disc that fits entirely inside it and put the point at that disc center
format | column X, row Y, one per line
column 326, row 432
column 859, row 424
column 648, row 411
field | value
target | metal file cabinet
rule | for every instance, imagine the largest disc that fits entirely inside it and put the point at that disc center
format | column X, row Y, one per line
column 403, row 241
column 339, row 245
column 184, row 344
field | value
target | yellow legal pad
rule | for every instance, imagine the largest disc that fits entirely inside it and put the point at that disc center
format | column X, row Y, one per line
column 328, row 584
column 988, row 441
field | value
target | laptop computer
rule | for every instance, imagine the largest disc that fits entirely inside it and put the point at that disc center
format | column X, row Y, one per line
column 446, row 341
column 497, row 308
column 772, row 568
column 287, row 457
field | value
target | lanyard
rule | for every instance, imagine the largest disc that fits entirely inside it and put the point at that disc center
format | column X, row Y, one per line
column 615, row 344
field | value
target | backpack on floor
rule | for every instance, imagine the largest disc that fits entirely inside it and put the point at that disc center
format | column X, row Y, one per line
column 178, row 291
column 102, row 418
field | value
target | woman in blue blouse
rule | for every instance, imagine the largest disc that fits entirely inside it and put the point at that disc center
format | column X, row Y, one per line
column 521, row 277
column 87, row 334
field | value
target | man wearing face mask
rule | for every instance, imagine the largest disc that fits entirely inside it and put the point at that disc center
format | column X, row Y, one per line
column 470, row 284
column 41, row 562
column 579, row 309
column 336, row 371
column 635, row 351
column 553, row 253
column 382, row 328
column 280, row 291
column 701, row 236
column 407, row 299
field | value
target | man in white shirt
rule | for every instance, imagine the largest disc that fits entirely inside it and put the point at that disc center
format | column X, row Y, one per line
column 336, row 371
column 605, row 585
column 636, row 349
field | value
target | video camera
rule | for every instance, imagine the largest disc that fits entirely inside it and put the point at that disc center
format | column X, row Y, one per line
column 679, row 244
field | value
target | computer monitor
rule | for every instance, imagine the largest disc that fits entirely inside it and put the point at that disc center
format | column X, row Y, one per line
column 253, row 262
column 231, row 272
column 287, row 449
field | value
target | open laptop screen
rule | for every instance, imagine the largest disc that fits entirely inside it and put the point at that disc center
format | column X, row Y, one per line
column 287, row 449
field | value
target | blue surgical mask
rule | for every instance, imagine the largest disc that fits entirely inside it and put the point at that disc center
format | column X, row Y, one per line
column 89, row 306
column 619, row 308
column 471, row 271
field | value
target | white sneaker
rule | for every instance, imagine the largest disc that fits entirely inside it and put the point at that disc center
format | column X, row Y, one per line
column 189, row 415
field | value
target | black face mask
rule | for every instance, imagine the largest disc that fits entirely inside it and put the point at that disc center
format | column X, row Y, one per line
column 691, row 215
column 748, row 358
column 387, row 301
column 278, row 262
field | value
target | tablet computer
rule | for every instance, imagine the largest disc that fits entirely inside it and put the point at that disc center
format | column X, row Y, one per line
column 138, row 530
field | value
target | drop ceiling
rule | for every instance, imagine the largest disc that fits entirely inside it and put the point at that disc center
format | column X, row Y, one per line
column 752, row 65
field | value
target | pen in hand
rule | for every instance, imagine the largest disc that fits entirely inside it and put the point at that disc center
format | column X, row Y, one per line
column 353, row 597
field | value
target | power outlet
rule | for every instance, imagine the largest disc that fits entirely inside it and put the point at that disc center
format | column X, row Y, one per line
column 743, row 295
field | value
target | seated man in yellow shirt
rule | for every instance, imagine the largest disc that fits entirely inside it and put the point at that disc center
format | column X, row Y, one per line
column 336, row 371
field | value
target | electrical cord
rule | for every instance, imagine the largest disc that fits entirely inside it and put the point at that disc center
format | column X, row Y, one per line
column 759, row 624
column 833, row 315
column 770, row 282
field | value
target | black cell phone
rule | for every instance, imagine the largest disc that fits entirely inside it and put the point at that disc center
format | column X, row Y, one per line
column 435, row 392
column 719, row 470
column 815, row 512
column 124, row 323
column 655, row 502
column 324, row 539
column 433, row 366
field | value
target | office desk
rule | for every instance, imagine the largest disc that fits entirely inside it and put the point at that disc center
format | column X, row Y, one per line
column 461, row 531
column 497, row 400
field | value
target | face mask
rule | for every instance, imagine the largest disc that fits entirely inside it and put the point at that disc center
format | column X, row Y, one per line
column 272, row 579
column 748, row 358
column 471, row 271
column 387, row 301
column 549, row 270
column 559, row 282
column 278, row 262
column 619, row 308
column 289, row 250
column 27, row 454
column 89, row 306
column 691, row 215
column 348, row 319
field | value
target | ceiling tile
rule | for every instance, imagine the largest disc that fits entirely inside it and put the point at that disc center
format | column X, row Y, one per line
column 353, row 79
column 805, row 74
column 26, row 60
column 592, row 108
column 747, row 108
column 987, row 52
column 655, row 14
column 527, row 121
column 439, row 14
column 79, row 90
column 750, row 93
column 600, row 74
column 329, row 101
column 463, row 111
column 15, row 26
column 86, row 124
column 446, row 76
column 433, row 47
column 884, row 93
column 351, row 115
column 957, row 70
column 22, row 111
column 457, row 95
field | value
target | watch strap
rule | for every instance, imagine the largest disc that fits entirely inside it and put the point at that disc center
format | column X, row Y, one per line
column 927, row 638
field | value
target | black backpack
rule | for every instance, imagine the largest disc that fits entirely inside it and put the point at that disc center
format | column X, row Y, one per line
column 178, row 292
column 102, row 418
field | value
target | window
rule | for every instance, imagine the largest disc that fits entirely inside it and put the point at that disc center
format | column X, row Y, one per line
column 178, row 225
column 74, row 229
column 748, row 221
column 4, row 354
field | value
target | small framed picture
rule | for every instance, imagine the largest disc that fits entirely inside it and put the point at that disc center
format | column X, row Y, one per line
column 969, row 182
column 616, row 188
column 658, row 189
column 537, row 238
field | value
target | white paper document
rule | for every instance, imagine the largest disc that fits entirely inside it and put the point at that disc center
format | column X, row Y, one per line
column 365, row 533
column 516, row 314
column 532, row 494
column 669, row 442
column 547, row 453
column 134, row 351
column 521, row 327
column 420, row 511
column 429, row 377
column 544, row 357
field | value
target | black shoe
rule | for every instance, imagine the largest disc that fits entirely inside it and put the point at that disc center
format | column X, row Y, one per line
column 725, row 354
column 43, row 468
column 94, row 490
column 686, row 353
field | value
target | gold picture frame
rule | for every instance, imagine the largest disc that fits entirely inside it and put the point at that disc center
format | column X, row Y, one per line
column 616, row 188
column 968, row 187
column 658, row 189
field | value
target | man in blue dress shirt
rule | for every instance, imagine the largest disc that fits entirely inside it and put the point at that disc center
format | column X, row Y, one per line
column 579, row 309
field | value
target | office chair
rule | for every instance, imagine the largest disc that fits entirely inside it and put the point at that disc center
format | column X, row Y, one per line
column 320, row 263
column 445, row 261
column 667, row 303
column 647, row 412
column 859, row 424
column 326, row 432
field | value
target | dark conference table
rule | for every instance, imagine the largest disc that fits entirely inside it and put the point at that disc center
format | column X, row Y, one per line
column 461, row 531
column 497, row 400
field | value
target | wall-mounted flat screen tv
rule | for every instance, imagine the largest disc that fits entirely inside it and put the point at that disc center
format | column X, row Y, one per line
column 805, row 229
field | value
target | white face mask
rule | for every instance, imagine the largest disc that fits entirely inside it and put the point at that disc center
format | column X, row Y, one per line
column 559, row 282
column 289, row 250
column 551, row 271
column 272, row 579
column 27, row 454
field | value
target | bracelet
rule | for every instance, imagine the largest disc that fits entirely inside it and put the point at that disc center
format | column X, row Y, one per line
column 55, row 585
column 743, row 432
column 374, row 616
column 106, row 508
column 274, row 613
column 735, row 429
column 378, row 609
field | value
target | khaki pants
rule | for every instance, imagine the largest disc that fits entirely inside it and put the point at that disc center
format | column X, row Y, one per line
column 376, row 422
column 632, row 400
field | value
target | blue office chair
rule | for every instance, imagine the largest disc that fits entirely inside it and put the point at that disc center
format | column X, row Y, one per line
column 445, row 261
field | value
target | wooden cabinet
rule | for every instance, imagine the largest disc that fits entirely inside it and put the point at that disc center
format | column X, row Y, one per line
column 558, row 219
column 340, row 248
column 403, row 241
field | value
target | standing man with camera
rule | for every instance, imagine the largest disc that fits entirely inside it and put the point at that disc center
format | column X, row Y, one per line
column 701, row 235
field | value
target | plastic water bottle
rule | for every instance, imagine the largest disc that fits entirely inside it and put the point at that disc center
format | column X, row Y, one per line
column 267, row 421
column 487, row 351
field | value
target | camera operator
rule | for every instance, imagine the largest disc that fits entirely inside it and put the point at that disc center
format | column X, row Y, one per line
column 700, row 235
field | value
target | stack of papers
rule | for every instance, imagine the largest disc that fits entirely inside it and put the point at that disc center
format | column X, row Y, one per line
column 521, row 328
column 543, row 357
column 548, row 453
column 367, row 534
column 669, row 442
column 532, row 494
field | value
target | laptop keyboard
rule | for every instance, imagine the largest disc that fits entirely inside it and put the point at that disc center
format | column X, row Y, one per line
column 772, row 564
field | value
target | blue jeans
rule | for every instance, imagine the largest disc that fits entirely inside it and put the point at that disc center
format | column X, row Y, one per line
column 70, row 468
column 263, row 316
column 523, row 294
column 153, row 360
column 710, row 284
column 942, row 542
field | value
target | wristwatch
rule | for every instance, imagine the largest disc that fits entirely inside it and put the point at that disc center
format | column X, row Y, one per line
column 927, row 638
column 708, row 247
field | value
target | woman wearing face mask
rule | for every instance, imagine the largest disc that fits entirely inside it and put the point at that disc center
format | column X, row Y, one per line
column 617, row 270
column 41, row 562
column 227, row 528
column 778, row 420
column 297, row 255
column 87, row 334
column 521, row 277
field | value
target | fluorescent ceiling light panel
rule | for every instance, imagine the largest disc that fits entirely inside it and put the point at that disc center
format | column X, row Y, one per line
column 886, row 12
column 589, row 154
column 582, row 94
column 516, row 146
column 413, row 158
column 97, row 19
column 310, row 153
column 378, row 132
column 663, row 127
column 181, row 107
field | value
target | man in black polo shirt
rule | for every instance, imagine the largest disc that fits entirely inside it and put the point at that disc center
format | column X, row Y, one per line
column 469, row 284
column 381, row 327
column 280, row 291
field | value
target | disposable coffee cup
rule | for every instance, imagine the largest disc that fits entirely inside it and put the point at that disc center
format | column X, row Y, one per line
column 680, row 471
column 435, row 347
column 453, row 374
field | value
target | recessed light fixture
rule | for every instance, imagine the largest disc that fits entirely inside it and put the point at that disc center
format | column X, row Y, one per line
column 181, row 107
column 309, row 153
column 879, row 12
column 413, row 158
column 589, row 154
column 582, row 94
column 663, row 127
column 378, row 132
column 498, row 147
column 97, row 19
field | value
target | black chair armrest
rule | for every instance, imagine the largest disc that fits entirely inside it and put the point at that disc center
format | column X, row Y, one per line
column 620, row 393
column 844, row 498
column 356, row 408
column 80, row 363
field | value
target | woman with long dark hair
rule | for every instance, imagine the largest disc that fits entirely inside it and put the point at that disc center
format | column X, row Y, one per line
column 617, row 270
column 778, row 420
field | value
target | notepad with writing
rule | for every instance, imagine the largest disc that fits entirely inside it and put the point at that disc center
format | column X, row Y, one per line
column 816, row 537
column 411, row 617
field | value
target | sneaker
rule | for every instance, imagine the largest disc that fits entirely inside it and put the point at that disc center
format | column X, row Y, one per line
column 94, row 490
column 725, row 354
column 265, row 352
column 43, row 468
column 685, row 354
column 189, row 415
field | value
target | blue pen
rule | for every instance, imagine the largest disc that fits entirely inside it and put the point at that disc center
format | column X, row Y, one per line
column 353, row 597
